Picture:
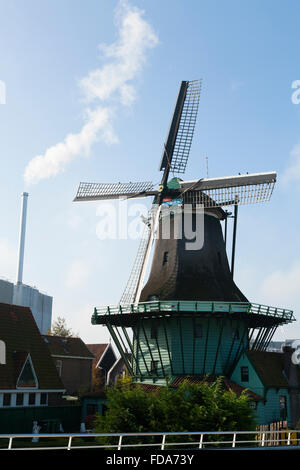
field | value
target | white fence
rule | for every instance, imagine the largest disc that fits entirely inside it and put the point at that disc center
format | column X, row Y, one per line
column 163, row 440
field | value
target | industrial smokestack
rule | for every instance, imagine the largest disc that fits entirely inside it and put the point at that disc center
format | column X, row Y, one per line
column 22, row 237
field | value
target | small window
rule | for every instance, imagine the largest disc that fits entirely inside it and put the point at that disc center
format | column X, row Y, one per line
column 20, row 399
column 198, row 331
column 235, row 334
column 153, row 332
column 59, row 366
column 27, row 376
column 44, row 399
column 91, row 409
column 6, row 399
column 283, row 407
column 154, row 366
column 244, row 374
column 31, row 399
column 166, row 257
column 2, row 352
column 253, row 405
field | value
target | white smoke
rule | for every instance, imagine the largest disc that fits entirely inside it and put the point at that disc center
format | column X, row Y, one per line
column 112, row 83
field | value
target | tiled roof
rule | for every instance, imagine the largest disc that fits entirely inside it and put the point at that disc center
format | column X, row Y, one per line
column 238, row 389
column 228, row 385
column 269, row 367
column 98, row 394
column 21, row 336
column 97, row 350
column 67, row 346
column 149, row 388
column 19, row 358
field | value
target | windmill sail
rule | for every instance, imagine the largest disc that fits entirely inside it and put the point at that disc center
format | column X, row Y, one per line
column 103, row 191
column 179, row 140
column 129, row 293
column 134, row 284
column 229, row 190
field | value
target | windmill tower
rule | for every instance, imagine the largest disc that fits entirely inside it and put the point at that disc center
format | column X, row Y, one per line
column 189, row 318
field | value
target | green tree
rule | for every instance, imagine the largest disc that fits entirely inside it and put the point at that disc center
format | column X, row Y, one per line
column 187, row 408
column 59, row 328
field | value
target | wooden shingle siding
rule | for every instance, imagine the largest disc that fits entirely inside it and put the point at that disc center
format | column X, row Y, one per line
column 269, row 411
column 148, row 348
column 211, row 353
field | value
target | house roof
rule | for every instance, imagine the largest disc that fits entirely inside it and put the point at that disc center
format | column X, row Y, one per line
column 269, row 367
column 97, row 394
column 21, row 336
column 97, row 350
column 227, row 384
column 67, row 346
column 118, row 365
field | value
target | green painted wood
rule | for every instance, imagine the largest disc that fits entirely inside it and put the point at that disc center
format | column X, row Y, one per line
column 180, row 353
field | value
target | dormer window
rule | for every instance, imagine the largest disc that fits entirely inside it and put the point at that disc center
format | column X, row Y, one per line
column 27, row 377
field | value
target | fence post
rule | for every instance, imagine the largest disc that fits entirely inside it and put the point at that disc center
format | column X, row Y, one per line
column 233, row 440
column 120, row 443
column 263, row 440
column 163, row 442
column 201, row 441
column 289, row 439
column 70, row 443
column 10, row 443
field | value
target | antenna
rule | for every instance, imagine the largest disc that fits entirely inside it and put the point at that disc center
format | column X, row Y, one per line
column 22, row 238
column 206, row 158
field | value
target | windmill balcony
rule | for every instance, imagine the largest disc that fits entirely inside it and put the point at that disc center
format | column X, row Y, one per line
column 255, row 313
column 173, row 338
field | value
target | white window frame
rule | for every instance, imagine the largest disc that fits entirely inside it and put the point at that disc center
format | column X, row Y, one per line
column 34, row 375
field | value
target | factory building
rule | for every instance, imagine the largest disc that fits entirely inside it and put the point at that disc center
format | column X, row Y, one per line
column 23, row 295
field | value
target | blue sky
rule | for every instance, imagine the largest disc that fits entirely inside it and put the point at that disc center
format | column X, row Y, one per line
column 56, row 76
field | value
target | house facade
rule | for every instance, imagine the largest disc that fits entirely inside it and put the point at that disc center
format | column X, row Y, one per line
column 73, row 361
column 28, row 377
column 118, row 371
column 276, row 379
column 104, row 359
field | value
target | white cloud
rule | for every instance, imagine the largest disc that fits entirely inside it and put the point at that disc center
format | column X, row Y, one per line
column 78, row 274
column 124, row 60
column 292, row 173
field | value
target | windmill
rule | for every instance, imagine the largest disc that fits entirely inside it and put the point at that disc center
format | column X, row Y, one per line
column 189, row 318
column 211, row 193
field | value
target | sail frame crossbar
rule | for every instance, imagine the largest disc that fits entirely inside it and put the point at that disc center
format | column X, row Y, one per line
column 186, row 127
column 230, row 190
column 238, row 195
column 99, row 191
